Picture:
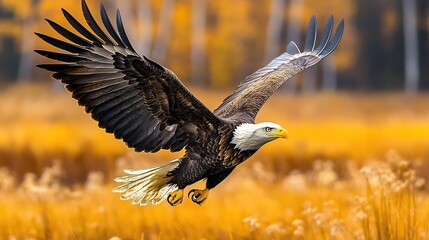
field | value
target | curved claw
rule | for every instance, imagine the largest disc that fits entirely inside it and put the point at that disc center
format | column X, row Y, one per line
column 191, row 192
column 175, row 197
column 198, row 196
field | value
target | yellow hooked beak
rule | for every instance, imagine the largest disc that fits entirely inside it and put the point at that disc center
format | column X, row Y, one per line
column 280, row 133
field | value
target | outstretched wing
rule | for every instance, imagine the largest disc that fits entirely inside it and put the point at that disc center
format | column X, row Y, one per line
column 136, row 99
column 246, row 100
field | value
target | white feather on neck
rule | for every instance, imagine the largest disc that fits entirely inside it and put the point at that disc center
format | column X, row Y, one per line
column 248, row 136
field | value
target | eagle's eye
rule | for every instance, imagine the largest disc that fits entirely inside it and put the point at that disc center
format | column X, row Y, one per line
column 268, row 129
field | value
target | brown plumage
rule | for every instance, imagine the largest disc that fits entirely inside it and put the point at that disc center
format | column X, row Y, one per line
column 146, row 105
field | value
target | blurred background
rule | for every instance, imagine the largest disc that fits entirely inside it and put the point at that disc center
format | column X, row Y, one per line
column 363, row 107
column 215, row 44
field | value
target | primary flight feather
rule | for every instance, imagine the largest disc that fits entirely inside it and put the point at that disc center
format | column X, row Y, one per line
column 148, row 107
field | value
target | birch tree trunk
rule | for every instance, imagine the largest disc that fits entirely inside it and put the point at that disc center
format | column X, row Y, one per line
column 125, row 7
column 161, row 44
column 198, row 43
column 274, row 30
column 411, row 46
column 26, row 61
column 144, row 18
column 329, row 74
column 294, row 34
column 309, row 79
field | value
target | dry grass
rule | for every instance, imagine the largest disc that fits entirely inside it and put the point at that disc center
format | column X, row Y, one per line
column 332, row 180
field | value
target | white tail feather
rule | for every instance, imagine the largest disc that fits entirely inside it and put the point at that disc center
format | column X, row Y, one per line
column 149, row 185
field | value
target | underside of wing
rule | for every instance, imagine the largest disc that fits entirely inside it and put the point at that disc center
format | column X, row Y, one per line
column 133, row 97
column 246, row 100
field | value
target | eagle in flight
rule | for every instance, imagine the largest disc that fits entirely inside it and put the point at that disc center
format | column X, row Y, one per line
column 149, row 108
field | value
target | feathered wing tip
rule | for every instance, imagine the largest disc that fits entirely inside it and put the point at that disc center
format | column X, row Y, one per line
column 87, row 40
column 311, row 53
column 292, row 48
column 335, row 39
column 150, row 185
column 326, row 44
column 310, row 41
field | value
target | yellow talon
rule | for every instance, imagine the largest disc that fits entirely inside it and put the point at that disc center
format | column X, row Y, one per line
column 198, row 196
column 175, row 197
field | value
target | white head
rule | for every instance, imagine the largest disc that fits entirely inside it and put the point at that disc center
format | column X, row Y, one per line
column 249, row 136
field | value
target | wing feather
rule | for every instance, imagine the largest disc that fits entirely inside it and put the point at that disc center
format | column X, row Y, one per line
column 119, row 114
column 103, row 103
column 133, row 97
column 246, row 100
column 81, row 29
column 69, row 35
column 60, row 44
column 63, row 57
column 292, row 48
column 326, row 34
column 121, row 30
column 333, row 43
column 93, row 24
column 310, row 41
column 108, row 24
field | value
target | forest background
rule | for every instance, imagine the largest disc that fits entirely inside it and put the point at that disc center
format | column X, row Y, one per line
column 355, row 167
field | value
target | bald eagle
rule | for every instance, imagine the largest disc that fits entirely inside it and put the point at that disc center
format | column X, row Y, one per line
column 148, row 107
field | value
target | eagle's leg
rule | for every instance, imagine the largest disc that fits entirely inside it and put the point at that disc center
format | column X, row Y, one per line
column 200, row 196
column 175, row 197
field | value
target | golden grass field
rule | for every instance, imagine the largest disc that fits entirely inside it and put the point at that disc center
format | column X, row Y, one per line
column 355, row 167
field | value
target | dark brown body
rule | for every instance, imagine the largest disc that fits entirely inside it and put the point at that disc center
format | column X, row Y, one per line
column 213, row 159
